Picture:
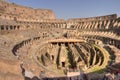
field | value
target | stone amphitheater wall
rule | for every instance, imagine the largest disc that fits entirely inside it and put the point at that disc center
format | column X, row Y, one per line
column 31, row 23
column 102, row 22
column 107, row 17
column 12, row 11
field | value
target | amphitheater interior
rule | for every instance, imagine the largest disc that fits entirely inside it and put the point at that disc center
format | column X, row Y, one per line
column 35, row 44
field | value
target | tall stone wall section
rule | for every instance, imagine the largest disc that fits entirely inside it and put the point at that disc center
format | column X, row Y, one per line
column 12, row 11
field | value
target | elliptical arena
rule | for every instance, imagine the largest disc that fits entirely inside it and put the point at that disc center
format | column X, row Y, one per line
column 34, row 44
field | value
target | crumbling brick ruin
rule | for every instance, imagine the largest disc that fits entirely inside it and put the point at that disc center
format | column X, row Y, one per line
column 33, row 43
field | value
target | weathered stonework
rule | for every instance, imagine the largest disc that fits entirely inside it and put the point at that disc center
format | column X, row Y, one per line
column 33, row 43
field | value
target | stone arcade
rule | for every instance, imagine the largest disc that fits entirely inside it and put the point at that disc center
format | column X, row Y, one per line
column 34, row 44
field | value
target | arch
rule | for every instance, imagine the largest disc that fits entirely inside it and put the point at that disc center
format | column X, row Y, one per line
column 14, row 27
column 47, row 55
column 15, row 19
column 7, row 27
column 18, row 27
column 11, row 27
column 2, row 27
column 52, row 57
column 63, row 64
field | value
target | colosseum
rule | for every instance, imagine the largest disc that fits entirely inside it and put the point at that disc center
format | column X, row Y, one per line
column 35, row 45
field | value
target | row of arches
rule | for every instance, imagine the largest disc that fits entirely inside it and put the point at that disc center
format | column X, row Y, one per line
column 23, row 43
column 9, row 27
column 105, row 40
column 106, row 24
column 25, row 26
column 27, row 42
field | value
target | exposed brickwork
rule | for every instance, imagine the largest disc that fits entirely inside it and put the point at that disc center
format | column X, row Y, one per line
column 34, row 43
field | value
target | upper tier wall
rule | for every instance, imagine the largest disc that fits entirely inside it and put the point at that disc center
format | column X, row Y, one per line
column 98, row 18
column 13, row 11
column 99, row 22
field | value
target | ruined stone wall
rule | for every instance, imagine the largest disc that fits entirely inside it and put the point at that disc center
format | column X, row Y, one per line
column 13, row 11
column 107, row 17
column 94, row 23
column 24, row 29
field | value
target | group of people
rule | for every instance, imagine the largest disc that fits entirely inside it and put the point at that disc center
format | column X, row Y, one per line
column 112, row 76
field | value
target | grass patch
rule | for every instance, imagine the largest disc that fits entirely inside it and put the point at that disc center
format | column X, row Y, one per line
column 97, row 69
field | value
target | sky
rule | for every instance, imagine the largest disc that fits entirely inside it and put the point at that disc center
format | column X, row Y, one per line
column 65, row 9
